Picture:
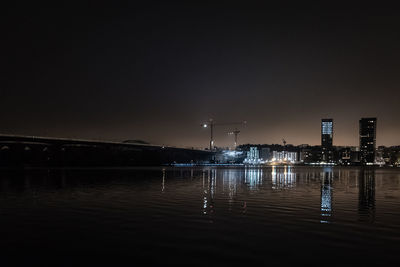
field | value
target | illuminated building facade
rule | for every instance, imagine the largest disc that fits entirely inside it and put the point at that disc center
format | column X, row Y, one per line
column 253, row 156
column 284, row 156
column 367, row 140
column 327, row 140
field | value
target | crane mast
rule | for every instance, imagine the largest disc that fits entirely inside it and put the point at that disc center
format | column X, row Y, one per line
column 211, row 124
column 235, row 133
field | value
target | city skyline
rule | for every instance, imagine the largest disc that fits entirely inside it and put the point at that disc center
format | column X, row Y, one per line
column 155, row 71
column 226, row 136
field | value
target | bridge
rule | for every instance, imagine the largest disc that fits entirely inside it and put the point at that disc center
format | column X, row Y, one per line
column 18, row 150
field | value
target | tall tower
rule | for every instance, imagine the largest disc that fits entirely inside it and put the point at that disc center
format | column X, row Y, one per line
column 367, row 140
column 327, row 140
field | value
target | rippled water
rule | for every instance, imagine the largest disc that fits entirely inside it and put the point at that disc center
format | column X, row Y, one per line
column 201, row 216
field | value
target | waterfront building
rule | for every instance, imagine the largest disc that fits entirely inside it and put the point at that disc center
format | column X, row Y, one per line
column 253, row 156
column 367, row 140
column 327, row 140
column 265, row 153
column 305, row 154
column 345, row 156
column 310, row 154
column 355, row 156
column 284, row 156
column 379, row 157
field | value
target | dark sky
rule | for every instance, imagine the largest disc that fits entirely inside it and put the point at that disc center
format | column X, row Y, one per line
column 155, row 71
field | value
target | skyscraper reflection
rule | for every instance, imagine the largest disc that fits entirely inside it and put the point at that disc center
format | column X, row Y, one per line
column 366, row 195
column 326, row 195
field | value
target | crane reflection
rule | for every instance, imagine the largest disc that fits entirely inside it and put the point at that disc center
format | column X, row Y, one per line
column 209, row 187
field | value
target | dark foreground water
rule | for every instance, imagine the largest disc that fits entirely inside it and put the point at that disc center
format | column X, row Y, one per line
column 289, row 216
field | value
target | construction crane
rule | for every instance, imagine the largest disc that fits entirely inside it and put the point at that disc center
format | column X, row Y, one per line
column 235, row 132
column 211, row 124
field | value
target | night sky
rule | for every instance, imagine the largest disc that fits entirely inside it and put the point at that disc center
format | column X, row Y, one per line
column 155, row 71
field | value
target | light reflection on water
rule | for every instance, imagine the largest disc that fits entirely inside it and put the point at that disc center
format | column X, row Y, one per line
column 249, row 214
column 283, row 177
column 232, row 180
column 326, row 195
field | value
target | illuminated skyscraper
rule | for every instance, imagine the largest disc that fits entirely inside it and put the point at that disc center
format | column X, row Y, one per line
column 367, row 140
column 327, row 140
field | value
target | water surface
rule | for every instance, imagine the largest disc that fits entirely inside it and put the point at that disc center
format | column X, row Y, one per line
column 201, row 216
